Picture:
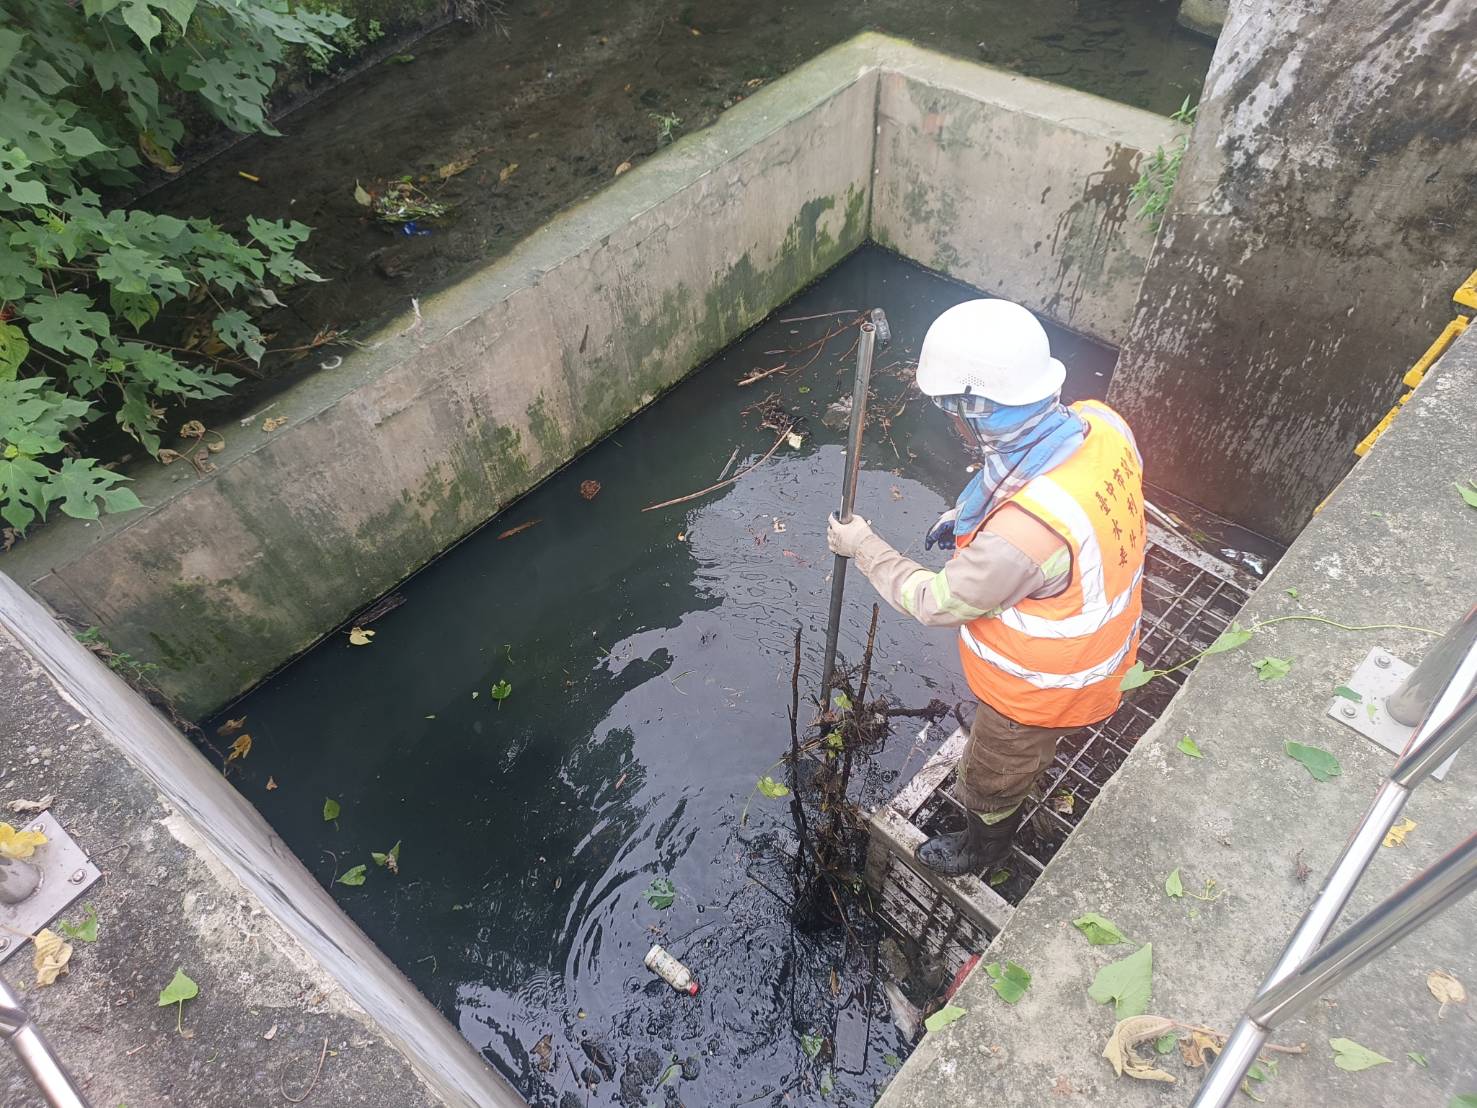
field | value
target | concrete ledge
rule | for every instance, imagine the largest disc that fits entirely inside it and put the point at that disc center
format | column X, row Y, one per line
column 455, row 410
column 1016, row 186
column 1205, row 17
column 1393, row 545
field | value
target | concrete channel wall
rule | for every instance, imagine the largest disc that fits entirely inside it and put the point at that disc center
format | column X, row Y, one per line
column 1393, row 545
column 459, row 407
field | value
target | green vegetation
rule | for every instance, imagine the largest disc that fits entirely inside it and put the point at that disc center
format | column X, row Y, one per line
column 666, row 125
column 1157, row 176
column 109, row 313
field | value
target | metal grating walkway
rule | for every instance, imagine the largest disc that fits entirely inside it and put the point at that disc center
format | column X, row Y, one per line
column 1190, row 597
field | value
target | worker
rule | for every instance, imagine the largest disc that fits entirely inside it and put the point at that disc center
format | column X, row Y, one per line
column 1044, row 582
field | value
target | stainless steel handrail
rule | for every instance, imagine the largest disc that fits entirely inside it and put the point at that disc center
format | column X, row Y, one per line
column 1307, row 967
column 35, row 1053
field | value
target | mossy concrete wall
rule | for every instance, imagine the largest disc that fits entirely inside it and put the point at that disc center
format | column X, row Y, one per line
column 1016, row 186
column 467, row 401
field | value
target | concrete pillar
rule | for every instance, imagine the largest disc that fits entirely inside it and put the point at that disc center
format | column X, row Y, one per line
column 1325, row 211
column 1204, row 16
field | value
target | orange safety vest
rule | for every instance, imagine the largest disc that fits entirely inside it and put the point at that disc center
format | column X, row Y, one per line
column 1058, row 661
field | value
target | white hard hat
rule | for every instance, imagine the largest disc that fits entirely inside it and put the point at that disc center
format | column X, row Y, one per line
column 991, row 348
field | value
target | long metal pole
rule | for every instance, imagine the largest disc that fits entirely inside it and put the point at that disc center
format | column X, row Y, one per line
column 35, row 1053
column 866, row 343
column 1450, row 722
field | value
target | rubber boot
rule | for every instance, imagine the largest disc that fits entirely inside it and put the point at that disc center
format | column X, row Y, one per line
column 977, row 847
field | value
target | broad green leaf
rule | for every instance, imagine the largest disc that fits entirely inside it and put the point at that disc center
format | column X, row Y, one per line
column 178, row 991
column 1292, row 593
column 501, row 691
column 1348, row 694
column 66, row 322
column 892, row 1060
column 834, row 741
column 660, row 893
column 1349, row 1055
column 1469, row 493
column 1229, row 640
column 772, row 788
column 86, row 931
column 1320, row 763
column 136, row 307
column 384, row 858
column 1418, row 1058
column 1137, row 676
column 1009, row 981
column 237, row 331
column 999, row 877
column 843, row 702
column 81, row 487
column 13, row 350
column 1126, row 983
column 1165, row 1043
column 1099, row 930
column 943, row 1017
column 354, row 876
column 811, row 1044
column 1272, row 669
column 1188, row 746
column 23, row 490
column 331, row 809
column 1173, row 885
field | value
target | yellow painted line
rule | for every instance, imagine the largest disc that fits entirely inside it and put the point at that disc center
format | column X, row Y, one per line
column 1466, row 296
column 1416, row 372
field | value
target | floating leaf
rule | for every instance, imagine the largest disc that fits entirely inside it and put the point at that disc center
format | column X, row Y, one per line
column 230, row 727
column 354, row 876
column 1469, row 493
column 1099, row 930
column 1137, row 676
column 843, row 702
column 1418, row 1058
column 459, row 165
column 892, row 1060
column 660, row 893
column 239, row 749
column 1395, row 836
column 51, row 957
column 1187, row 746
column 358, row 636
column 331, row 809
column 86, row 931
column 507, row 171
column 1126, row 983
column 178, row 991
column 501, row 691
column 1010, row 981
column 361, row 197
column 1229, row 640
column 19, row 844
column 811, row 1044
column 1272, row 669
column 1349, row 1055
column 999, row 877
column 772, row 788
column 271, row 783
column 1173, row 885
column 1320, row 763
column 1347, row 693
column 944, row 1016
column 1128, row 1034
column 795, row 440
column 1446, row 989
column 390, row 859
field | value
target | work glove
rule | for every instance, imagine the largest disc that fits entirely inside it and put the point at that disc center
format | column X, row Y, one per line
column 941, row 534
column 846, row 538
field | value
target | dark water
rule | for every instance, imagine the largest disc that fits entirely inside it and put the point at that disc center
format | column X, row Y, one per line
column 649, row 659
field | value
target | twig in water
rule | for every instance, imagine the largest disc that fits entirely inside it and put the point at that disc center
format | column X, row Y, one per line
column 821, row 315
column 714, row 488
column 282, row 1078
column 820, row 348
column 731, row 459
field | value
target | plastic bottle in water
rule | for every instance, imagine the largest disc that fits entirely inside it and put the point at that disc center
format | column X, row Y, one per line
column 671, row 971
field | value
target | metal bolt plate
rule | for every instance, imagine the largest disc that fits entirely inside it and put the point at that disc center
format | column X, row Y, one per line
column 61, row 860
column 1378, row 676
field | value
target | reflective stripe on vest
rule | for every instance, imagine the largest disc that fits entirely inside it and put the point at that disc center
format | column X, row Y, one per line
column 1056, row 661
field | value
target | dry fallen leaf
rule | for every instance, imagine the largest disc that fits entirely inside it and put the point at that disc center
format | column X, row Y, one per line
column 589, row 489
column 52, row 956
column 215, row 447
column 1127, row 1035
column 165, row 456
column 1396, row 835
column 622, row 168
column 1444, row 987
column 358, row 636
column 897, row 493
column 19, row 844
column 271, row 783
column 1063, row 802
column 1199, row 1047
column 508, row 171
column 779, row 524
column 31, row 807
column 461, row 165
column 192, row 429
column 835, row 983
column 795, row 440
column 230, row 727
column 270, row 1033
column 239, row 749
column 362, row 198
column 270, row 425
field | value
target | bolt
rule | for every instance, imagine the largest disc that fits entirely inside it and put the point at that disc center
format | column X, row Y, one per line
column 4, row 943
column 78, row 877
column 1348, row 710
column 1382, row 660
